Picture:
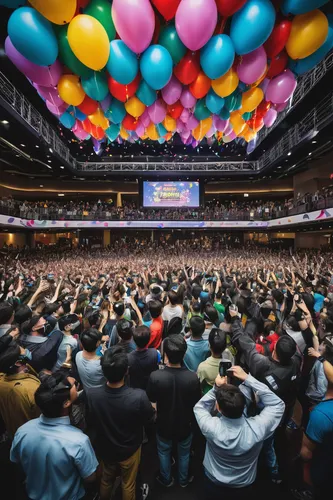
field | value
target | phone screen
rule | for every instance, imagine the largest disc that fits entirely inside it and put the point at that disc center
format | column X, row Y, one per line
column 225, row 365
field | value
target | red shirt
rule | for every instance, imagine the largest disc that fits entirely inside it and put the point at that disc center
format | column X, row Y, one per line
column 268, row 341
column 156, row 330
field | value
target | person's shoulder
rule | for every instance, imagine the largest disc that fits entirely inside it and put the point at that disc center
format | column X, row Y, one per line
column 27, row 428
column 323, row 408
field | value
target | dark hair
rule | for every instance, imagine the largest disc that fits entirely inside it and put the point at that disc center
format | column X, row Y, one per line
column 89, row 339
column 293, row 323
column 141, row 336
column 9, row 357
column 197, row 326
column 155, row 308
column 23, row 313
column 65, row 321
column 328, row 354
column 211, row 314
column 114, row 364
column 196, row 290
column 119, row 308
column 93, row 318
column 196, row 307
column 285, row 349
column 269, row 326
column 217, row 341
column 125, row 329
column 52, row 393
column 174, row 326
column 278, row 296
column 175, row 348
column 51, row 308
column 173, row 297
column 6, row 312
column 230, row 400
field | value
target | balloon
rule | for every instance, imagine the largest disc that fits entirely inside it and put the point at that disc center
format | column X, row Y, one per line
column 246, row 116
column 152, row 132
column 201, row 130
column 214, row 103
column 301, row 6
column 56, row 11
column 123, row 64
column 201, row 85
column 225, row 114
column 96, row 86
column 123, row 133
column 252, row 66
column 277, row 64
column 217, row 56
column 192, row 122
column 79, row 115
column 129, row 122
column 67, row 120
column 156, row 66
column 308, row 32
column 67, row 56
column 252, row 25
column 134, row 21
column 175, row 110
column 234, row 101
column 270, row 117
column 226, row 84
column 56, row 110
column 12, row 4
column 100, row 10
column 262, row 109
column 106, row 102
column 237, row 122
column 98, row 118
column 89, row 41
column 187, row 99
column 281, row 107
column 228, row 8
column 167, row 8
column 123, row 92
column 88, row 106
column 140, row 129
column 219, row 124
column 201, row 111
column 281, row 88
column 172, row 91
column 79, row 132
column 135, row 107
column 196, row 22
column 70, row 90
column 251, row 99
column 157, row 111
column 48, row 76
column 50, row 94
column 170, row 40
column 278, row 38
column 145, row 118
column 264, row 85
column 188, row 68
column 146, row 94
column 32, row 35
column 116, row 113
column 161, row 130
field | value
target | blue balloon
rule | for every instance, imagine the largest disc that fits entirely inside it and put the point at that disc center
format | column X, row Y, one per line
column 12, row 4
column 96, row 86
column 214, row 102
column 225, row 114
column 123, row 64
column 156, row 66
column 161, row 129
column 161, row 140
column 112, row 132
column 301, row 6
column 67, row 120
column 79, row 115
column 32, row 35
column 201, row 112
column 217, row 56
column 146, row 94
column 116, row 112
column 252, row 25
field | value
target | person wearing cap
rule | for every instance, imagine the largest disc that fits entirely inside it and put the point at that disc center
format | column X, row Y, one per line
column 67, row 324
column 56, row 458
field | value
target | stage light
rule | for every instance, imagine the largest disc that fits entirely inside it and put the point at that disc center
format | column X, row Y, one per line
column 23, row 145
column 51, row 150
column 246, row 195
column 62, row 167
column 4, row 122
column 61, row 194
column 41, row 185
column 289, row 154
column 310, row 154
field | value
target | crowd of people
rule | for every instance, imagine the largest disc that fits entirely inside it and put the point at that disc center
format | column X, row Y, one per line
column 189, row 348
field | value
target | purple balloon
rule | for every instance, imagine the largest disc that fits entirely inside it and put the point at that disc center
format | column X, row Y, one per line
column 185, row 115
column 50, row 94
column 220, row 124
column 172, row 91
column 192, row 122
column 195, row 22
column 180, row 126
column 145, row 118
column 56, row 110
column 282, row 87
column 189, row 141
column 270, row 117
column 281, row 107
column 211, row 132
column 232, row 136
column 252, row 66
column 228, row 130
column 186, row 134
column 264, row 84
column 195, row 143
column 140, row 129
column 48, row 76
column 105, row 104
column 157, row 111
column 187, row 99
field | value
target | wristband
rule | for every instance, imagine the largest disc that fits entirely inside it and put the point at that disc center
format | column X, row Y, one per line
column 321, row 359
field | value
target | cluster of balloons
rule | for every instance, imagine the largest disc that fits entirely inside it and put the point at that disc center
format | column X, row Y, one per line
column 140, row 69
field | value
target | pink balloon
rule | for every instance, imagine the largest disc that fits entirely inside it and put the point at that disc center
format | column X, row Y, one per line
column 140, row 129
column 220, row 124
column 189, row 141
column 195, row 22
column 180, row 126
column 79, row 132
column 228, row 130
column 270, row 117
column 145, row 118
column 186, row 134
column 134, row 21
column 185, row 115
column 172, row 91
column 281, row 107
column 232, row 136
column 195, row 143
column 281, row 88
column 157, row 111
column 264, row 84
column 56, row 110
column 50, row 94
column 187, row 99
column 192, row 122
column 211, row 132
column 48, row 76
column 252, row 66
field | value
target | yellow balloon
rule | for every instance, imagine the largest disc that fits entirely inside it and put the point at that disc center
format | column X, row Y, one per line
column 308, row 33
column 123, row 133
column 56, row 11
column 152, row 132
column 251, row 99
column 201, row 130
column 70, row 90
column 99, row 119
column 144, row 137
column 89, row 41
column 135, row 107
column 169, row 123
column 226, row 84
column 249, row 135
column 237, row 122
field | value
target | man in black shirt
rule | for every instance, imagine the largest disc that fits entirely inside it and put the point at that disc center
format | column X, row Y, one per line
column 175, row 390
column 116, row 415
column 142, row 361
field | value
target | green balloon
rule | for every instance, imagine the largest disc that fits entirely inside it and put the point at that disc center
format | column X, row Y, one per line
column 67, row 56
column 246, row 116
column 170, row 40
column 101, row 10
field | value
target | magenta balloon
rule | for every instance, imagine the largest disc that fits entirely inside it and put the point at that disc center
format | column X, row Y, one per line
column 281, row 107
column 270, row 117
column 157, row 111
column 252, row 66
column 180, row 126
column 228, row 129
column 264, row 84
column 140, row 129
column 134, row 21
column 56, row 110
column 195, row 22
column 50, row 94
column 195, row 143
column 185, row 115
column 186, row 134
column 187, row 99
column 192, row 122
column 105, row 104
column 281, row 88
column 232, row 136
column 48, row 76
column 145, row 118
column 189, row 141
column 211, row 132
column 220, row 124
column 172, row 91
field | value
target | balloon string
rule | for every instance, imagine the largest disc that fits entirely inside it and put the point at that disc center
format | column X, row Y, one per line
column 222, row 25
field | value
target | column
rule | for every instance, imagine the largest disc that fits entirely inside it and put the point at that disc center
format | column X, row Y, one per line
column 106, row 238
column 119, row 200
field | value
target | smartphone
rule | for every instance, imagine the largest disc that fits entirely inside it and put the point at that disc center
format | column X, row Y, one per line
column 224, row 366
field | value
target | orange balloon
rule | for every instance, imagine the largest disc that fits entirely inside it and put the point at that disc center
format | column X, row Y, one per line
column 99, row 119
column 237, row 122
column 169, row 123
column 152, row 132
column 123, row 133
column 168, row 136
column 201, row 130
column 201, row 85
column 251, row 99
column 226, row 84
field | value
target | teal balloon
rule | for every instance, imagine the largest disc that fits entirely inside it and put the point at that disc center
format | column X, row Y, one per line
column 116, row 112
column 225, row 114
column 161, row 129
column 217, row 56
column 252, row 25
column 123, row 64
column 201, row 112
column 161, row 140
column 96, row 86
column 146, row 94
column 79, row 115
column 67, row 120
column 301, row 6
column 32, row 35
column 214, row 102
column 246, row 116
column 156, row 66
column 170, row 40
column 112, row 132
column 234, row 101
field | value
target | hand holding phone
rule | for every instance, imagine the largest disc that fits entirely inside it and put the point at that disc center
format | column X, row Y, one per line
column 224, row 366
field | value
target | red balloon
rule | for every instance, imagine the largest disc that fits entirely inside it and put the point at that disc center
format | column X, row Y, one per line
column 278, row 64
column 129, row 122
column 278, row 38
column 256, row 122
column 201, row 85
column 167, row 8
column 228, row 7
column 98, row 133
column 123, row 92
column 188, row 68
column 88, row 106
column 87, row 126
column 263, row 108
column 175, row 110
